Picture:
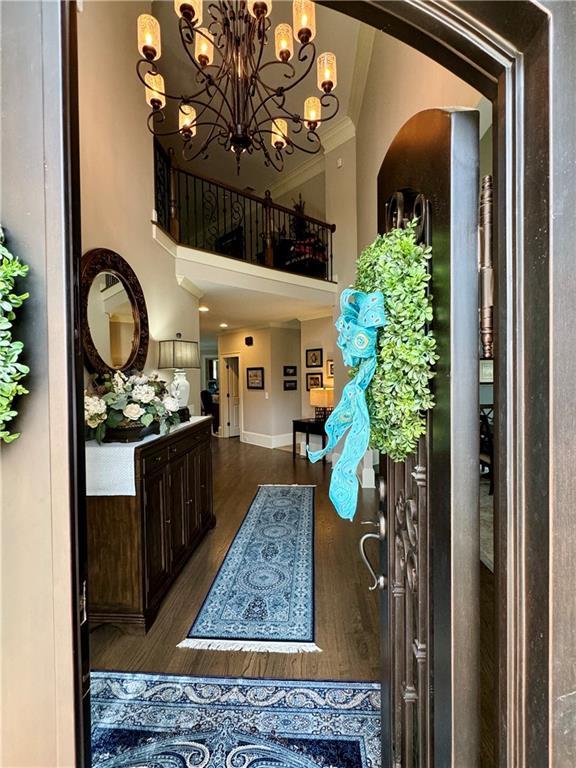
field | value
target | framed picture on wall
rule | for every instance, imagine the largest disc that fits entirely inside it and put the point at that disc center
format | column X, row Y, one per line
column 330, row 369
column 314, row 358
column 290, row 385
column 314, row 380
column 255, row 378
column 290, row 370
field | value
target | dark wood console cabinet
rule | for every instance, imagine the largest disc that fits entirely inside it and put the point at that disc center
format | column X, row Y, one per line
column 137, row 545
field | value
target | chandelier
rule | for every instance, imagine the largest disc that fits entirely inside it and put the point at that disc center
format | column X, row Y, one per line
column 237, row 97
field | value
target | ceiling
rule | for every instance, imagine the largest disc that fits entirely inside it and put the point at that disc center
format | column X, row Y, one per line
column 243, row 308
column 335, row 32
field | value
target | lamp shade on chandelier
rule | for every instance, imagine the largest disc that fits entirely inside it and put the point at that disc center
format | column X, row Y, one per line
column 237, row 95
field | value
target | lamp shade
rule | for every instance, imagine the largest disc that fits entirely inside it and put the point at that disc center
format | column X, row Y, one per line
column 177, row 353
column 322, row 397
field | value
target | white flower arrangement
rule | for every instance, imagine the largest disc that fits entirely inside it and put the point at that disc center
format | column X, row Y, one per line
column 125, row 401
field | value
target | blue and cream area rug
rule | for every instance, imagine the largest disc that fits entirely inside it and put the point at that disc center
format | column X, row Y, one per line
column 263, row 596
column 152, row 721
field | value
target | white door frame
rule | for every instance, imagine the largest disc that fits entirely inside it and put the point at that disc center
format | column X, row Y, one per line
column 224, row 429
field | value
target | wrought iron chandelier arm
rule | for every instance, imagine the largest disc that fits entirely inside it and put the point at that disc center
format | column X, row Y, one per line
column 307, row 53
column 325, row 101
column 210, row 86
column 202, row 108
column 215, row 124
column 212, row 74
column 278, row 99
column 262, row 39
column 152, row 69
column 312, row 137
column 205, row 144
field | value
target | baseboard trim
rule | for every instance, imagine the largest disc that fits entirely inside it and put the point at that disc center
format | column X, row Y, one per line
column 266, row 441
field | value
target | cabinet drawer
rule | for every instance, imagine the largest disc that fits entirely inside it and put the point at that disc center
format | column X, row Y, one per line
column 180, row 447
column 155, row 459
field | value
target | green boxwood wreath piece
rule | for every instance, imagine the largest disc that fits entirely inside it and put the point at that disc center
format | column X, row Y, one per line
column 399, row 394
column 11, row 371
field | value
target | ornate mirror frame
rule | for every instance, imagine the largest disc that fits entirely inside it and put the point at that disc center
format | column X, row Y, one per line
column 103, row 260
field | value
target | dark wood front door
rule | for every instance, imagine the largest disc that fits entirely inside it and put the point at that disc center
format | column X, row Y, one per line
column 430, row 525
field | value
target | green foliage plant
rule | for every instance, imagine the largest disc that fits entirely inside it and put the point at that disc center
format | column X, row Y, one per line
column 11, row 371
column 399, row 394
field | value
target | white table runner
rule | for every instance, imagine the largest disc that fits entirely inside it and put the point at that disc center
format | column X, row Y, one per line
column 110, row 466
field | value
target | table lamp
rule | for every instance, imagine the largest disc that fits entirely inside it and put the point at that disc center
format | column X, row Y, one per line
column 322, row 399
column 179, row 354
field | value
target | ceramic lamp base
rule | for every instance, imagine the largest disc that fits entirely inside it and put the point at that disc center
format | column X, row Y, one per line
column 180, row 387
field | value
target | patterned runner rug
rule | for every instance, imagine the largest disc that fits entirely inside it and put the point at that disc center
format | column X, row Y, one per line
column 263, row 596
column 161, row 721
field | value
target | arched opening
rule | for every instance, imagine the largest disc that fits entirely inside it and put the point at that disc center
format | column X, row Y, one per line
column 515, row 64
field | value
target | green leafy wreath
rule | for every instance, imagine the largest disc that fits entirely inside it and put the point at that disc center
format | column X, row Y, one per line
column 11, row 371
column 399, row 394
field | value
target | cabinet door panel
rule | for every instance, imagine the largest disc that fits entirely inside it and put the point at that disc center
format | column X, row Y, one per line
column 178, row 510
column 157, row 546
column 192, row 478
column 204, row 493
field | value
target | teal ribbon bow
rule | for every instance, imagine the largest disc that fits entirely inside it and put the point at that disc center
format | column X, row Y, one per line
column 361, row 314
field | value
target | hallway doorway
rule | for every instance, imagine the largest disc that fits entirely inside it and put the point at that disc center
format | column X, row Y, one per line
column 231, row 397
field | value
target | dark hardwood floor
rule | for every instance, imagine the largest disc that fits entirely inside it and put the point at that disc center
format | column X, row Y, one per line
column 346, row 612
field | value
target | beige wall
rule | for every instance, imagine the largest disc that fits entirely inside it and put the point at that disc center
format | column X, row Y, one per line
column 409, row 82
column 313, row 334
column 256, row 407
column 341, row 196
column 313, row 193
column 266, row 414
column 117, row 170
column 286, row 405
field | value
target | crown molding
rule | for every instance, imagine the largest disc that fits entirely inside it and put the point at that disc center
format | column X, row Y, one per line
column 332, row 137
column 337, row 134
column 364, row 47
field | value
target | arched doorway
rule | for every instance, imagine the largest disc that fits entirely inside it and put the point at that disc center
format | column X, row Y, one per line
column 508, row 62
column 505, row 50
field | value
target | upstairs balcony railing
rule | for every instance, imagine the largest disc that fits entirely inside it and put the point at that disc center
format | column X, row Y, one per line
column 206, row 214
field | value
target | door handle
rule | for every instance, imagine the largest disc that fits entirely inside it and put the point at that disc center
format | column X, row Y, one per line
column 380, row 580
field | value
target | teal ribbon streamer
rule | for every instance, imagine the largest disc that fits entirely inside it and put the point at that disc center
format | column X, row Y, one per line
column 361, row 314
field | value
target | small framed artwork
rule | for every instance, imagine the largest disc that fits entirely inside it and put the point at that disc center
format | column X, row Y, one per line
column 290, row 385
column 486, row 371
column 314, row 358
column 314, row 380
column 290, row 370
column 255, row 378
column 330, row 369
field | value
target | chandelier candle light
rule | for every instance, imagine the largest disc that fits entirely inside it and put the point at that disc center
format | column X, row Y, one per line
column 233, row 98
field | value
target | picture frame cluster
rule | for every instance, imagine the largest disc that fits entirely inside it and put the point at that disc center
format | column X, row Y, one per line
column 290, row 384
column 315, row 359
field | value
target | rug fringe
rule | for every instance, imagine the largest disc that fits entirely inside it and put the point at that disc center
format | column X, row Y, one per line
column 259, row 646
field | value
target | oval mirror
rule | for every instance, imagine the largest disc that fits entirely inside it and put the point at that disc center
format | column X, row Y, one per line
column 110, row 319
column 114, row 316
